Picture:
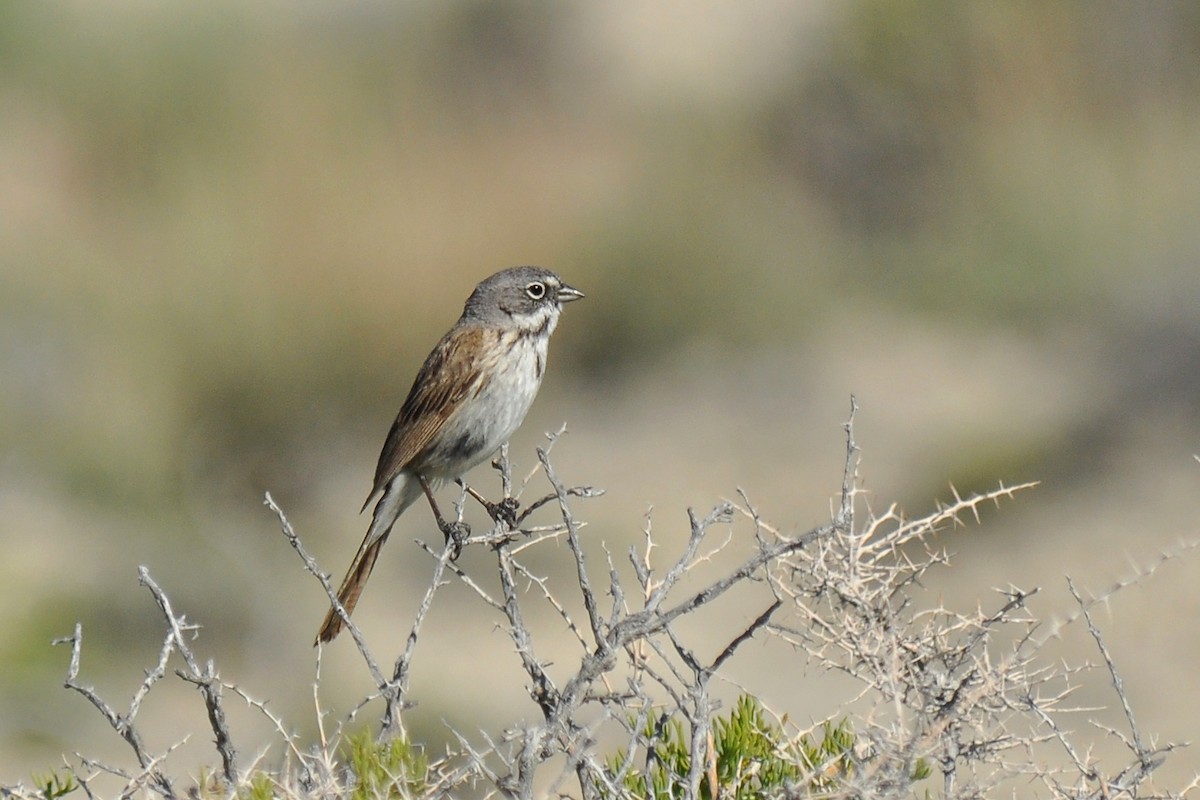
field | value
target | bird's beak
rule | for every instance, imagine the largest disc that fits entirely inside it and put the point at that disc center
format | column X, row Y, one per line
column 568, row 293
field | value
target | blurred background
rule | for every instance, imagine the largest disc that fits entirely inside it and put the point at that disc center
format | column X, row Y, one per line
column 230, row 231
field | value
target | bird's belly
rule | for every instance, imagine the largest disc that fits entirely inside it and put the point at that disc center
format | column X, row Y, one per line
column 489, row 418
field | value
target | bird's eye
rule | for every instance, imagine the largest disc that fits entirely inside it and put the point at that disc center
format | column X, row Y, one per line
column 536, row 290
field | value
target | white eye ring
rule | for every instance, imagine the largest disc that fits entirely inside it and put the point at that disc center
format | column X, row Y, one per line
column 536, row 290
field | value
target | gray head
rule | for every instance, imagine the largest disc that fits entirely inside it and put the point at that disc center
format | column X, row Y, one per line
column 526, row 295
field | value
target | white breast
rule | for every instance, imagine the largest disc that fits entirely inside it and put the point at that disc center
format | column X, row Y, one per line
column 490, row 417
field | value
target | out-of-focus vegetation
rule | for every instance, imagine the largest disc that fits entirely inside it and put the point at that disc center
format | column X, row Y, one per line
column 230, row 231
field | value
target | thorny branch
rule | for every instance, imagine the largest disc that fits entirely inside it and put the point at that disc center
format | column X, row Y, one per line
column 123, row 724
column 965, row 694
column 204, row 678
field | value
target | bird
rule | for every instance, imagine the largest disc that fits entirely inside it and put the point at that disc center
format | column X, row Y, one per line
column 469, row 397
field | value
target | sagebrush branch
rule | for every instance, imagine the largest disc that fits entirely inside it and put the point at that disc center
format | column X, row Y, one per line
column 962, row 697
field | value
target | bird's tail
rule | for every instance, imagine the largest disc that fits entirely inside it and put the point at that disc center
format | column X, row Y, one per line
column 398, row 496
column 351, row 588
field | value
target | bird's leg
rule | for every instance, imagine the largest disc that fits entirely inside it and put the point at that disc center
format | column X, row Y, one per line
column 505, row 511
column 456, row 533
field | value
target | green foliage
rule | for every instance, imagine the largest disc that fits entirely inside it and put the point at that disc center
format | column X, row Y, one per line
column 751, row 757
column 261, row 786
column 55, row 785
column 393, row 768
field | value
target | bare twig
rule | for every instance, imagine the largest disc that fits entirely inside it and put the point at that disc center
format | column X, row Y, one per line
column 203, row 678
column 123, row 724
column 311, row 566
column 966, row 694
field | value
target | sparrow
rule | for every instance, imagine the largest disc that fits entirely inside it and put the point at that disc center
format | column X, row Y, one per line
column 469, row 397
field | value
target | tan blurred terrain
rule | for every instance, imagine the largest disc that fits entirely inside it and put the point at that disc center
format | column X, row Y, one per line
column 229, row 232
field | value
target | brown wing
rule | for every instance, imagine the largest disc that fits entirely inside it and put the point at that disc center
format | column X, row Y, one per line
column 447, row 377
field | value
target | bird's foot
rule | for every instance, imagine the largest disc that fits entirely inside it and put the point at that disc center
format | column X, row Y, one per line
column 504, row 512
column 456, row 534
